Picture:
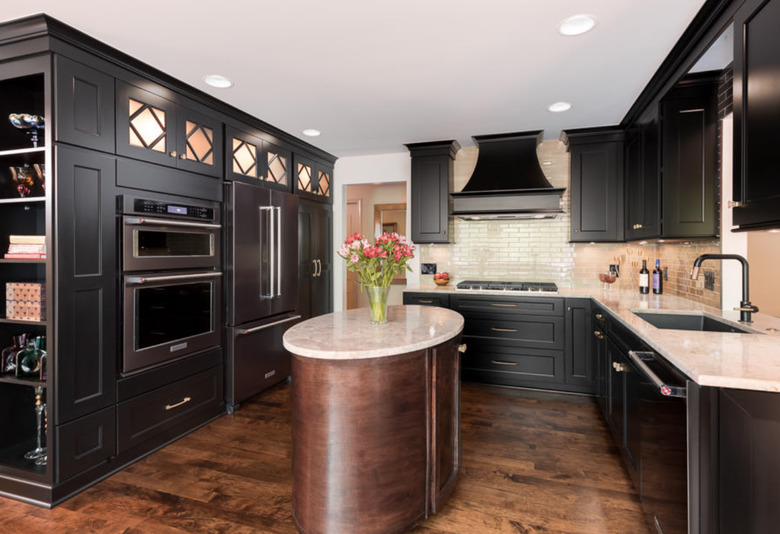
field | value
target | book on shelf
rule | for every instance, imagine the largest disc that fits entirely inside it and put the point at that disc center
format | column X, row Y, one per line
column 27, row 239
column 24, row 256
column 16, row 248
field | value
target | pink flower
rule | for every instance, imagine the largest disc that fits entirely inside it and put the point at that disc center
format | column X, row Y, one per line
column 354, row 258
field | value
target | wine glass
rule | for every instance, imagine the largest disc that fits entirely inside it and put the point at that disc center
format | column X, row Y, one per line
column 608, row 279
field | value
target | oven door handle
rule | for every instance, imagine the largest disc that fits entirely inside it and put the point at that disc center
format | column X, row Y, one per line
column 144, row 221
column 639, row 357
column 263, row 327
column 140, row 280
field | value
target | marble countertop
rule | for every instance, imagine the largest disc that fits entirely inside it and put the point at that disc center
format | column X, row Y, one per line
column 348, row 335
column 743, row 361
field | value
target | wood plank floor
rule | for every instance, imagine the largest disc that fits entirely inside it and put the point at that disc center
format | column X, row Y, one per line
column 532, row 463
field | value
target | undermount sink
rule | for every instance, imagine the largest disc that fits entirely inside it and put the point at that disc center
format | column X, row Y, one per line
column 689, row 321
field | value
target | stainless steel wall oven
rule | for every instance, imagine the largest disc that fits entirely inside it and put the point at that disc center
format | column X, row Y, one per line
column 172, row 286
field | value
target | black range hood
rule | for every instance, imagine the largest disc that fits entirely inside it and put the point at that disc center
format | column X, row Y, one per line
column 507, row 182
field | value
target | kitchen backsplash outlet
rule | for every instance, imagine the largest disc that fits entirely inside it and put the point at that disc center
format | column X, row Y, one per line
column 427, row 268
column 539, row 250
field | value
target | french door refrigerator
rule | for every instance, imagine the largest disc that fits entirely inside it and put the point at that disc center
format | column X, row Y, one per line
column 261, row 287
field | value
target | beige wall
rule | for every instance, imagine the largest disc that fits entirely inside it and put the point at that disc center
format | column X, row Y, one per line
column 764, row 259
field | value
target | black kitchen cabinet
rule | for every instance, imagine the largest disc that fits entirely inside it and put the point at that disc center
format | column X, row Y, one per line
column 86, row 282
column 580, row 366
column 156, row 129
column 756, row 114
column 642, row 178
column 313, row 178
column 315, row 248
column 84, row 99
column 690, row 158
column 432, row 174
column 427, row 299
column 596, row 184
column 599, row 350
column 252, row 159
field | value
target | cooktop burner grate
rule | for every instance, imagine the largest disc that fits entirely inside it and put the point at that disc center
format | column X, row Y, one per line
column 525, row 287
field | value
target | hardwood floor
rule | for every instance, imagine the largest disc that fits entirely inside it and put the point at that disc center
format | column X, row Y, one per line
column 532, row 463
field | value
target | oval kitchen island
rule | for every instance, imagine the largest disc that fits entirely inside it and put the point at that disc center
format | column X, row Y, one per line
column 375, row 418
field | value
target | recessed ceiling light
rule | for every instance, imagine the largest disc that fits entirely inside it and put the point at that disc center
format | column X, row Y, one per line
column 311, row 132
column 218, row 81
column 577, row 25
column 559, row 107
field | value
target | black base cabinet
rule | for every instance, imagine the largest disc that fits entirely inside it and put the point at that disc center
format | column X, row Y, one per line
column 315, row 246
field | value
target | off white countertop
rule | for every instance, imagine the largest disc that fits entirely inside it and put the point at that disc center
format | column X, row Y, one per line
column 743, row 361
column 348, row 335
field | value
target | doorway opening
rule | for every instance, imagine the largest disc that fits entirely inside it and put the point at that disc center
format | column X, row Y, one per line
column 373, row 209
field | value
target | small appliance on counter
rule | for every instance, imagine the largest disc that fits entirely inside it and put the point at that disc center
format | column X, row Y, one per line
column 261, row 287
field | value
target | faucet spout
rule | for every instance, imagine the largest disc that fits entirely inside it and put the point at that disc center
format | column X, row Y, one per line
column 745, row 307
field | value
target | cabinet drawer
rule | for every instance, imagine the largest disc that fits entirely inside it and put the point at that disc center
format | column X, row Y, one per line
column 548, row 306
column 427, row 299
column 527, row 331
column 85, row 443
column 143, row 417
column 522, row 363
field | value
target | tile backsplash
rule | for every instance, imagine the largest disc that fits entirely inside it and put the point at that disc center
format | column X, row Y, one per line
column 539, row 250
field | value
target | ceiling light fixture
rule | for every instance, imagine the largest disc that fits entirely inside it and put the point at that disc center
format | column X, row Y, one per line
column 577, row 25
column 311, row 132
column 559, row 107
column 218, row 81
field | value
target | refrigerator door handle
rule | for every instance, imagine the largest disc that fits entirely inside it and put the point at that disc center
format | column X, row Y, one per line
column 278, row 253
column 263, row 327
column 267, row 240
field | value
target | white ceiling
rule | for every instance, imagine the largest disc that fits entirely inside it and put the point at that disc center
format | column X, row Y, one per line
column 373, row 75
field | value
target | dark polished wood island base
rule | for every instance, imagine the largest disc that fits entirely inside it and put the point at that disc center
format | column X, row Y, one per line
column 376, row 440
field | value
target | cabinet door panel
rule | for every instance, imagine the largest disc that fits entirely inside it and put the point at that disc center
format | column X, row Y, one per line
column 446, row 425
column 85, row 443
column 145, row 125
column 579, row 354
column 200, row 143
column 87, row 283
column 597, row 186
column 85, row 106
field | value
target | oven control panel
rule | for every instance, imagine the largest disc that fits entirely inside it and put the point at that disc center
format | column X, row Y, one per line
column 156, row 207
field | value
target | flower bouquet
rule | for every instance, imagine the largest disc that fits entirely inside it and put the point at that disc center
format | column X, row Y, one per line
column 376, row 265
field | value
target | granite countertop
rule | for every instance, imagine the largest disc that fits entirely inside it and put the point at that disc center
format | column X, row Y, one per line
column 743, row 361
column 348, row 335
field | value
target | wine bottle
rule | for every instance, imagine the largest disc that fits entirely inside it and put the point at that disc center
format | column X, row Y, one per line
column 658, row 279
column 644, row 278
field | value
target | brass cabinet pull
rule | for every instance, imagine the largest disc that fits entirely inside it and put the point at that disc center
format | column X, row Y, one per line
column 503, row 329
column 185, row 400
column 462, row 347
column 619, row 367
column 600, row 317
column 502, row 305
column 501, row 362
column 424, row 301
column 598, row 334
column 568, row 308
column 173, row 154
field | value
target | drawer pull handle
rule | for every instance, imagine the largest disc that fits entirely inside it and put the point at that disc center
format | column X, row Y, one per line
column 502, row 305
column 425, row 301
column 501, row 362
column 496, row 329
column 462, row 347
column 185, row 400
column 600, row 317
column 598, row 334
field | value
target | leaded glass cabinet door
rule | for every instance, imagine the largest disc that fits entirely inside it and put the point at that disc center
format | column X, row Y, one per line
column 305, row 177
column 200, row 142
column 145, row 125
column 278, row 167
column 324, row 180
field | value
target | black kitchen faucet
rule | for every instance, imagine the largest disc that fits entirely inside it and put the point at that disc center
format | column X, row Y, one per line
column 745, row 307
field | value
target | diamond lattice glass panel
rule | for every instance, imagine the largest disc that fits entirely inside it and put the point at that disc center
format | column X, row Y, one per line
column 324, row 184
column 147, row 126
column 304, row 178
column 244, row 158
column 277, row 168
column 200, row 143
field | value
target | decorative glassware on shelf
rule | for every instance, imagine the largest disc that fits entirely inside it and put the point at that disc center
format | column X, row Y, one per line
column 32, row 123
column 8, row 358
column 29, row 181
column 30, row 360
column 608, row 279
column 39, row 452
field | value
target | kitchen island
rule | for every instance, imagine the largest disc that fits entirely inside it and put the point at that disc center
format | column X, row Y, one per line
column 375, row 418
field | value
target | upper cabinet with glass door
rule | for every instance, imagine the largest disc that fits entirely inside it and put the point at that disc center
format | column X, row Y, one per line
column 252, row 159
column 159, row 130
column 313, row 178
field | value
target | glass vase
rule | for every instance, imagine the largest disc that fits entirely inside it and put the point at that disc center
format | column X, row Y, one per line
column 377, row 303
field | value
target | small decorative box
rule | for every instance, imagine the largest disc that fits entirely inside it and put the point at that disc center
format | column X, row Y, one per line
column 25, row 300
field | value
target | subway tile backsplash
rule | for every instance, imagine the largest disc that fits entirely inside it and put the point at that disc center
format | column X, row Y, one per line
column 539, row 250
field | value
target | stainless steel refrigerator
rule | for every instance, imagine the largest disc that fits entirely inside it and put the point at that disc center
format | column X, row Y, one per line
column 261, row 286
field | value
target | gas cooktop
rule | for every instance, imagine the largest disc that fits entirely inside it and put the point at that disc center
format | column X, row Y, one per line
column 522, row 287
